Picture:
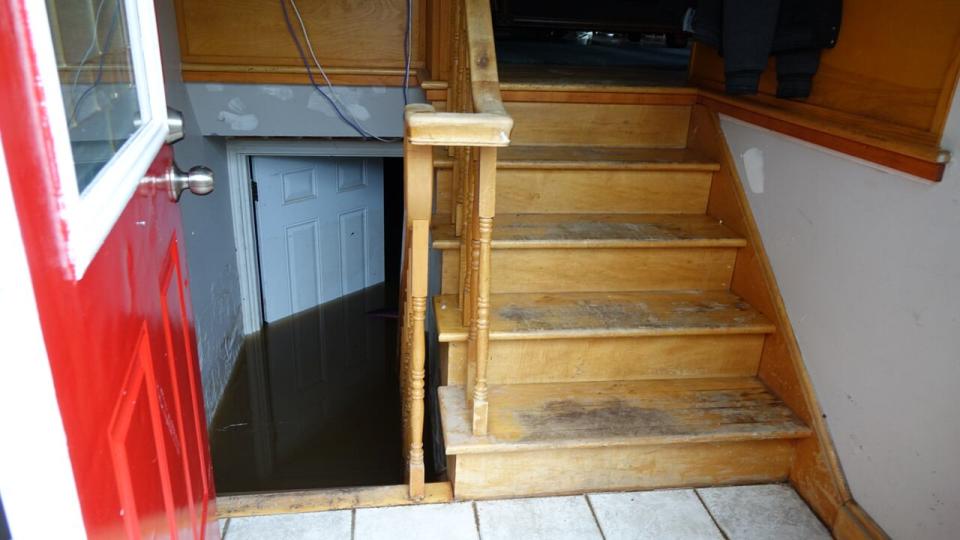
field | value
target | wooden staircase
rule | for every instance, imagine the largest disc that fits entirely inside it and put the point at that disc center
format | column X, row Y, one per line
column 618, row 356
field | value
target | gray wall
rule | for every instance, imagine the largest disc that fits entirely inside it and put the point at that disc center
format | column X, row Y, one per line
column 869, row 266
column 208, row 231
column 270, row 110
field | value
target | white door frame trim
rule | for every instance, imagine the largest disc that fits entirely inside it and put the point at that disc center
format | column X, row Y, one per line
column 241, row 206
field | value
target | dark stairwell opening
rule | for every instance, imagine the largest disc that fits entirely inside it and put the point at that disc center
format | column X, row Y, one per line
column 276, row 430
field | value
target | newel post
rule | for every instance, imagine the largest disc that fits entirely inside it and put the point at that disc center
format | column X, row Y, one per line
column 418, row 184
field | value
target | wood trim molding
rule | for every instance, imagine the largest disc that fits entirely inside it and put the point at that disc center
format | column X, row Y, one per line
column 321, row 500
column 816, row 472
column 853, row 523
column 908, row 151
column 680, row 97
column 253, row 74
column 913, row 153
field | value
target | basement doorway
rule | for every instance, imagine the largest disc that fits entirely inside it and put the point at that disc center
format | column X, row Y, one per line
column 314, row 401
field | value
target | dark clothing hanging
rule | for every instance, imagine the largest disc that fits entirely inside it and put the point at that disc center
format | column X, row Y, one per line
column 747, row 32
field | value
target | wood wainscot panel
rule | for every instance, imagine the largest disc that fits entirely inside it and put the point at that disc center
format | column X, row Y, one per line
column 247, row 41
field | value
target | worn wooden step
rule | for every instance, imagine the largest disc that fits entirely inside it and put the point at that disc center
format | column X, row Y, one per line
column 608, row 124
column 517, row 156
column 513, row 361
column 545, row 253
column 576, row 437
column 600, row 269
column 616, row 314
column 728, row 345
column 585, row 179
column 530, row 231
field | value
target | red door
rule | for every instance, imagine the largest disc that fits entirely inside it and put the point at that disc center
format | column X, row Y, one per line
column 84, row 130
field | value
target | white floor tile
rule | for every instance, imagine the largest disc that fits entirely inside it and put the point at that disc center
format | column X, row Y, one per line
column 312, row 526
column 773, row 512
column 554, row 518
column 653, row 515
column 453, row 521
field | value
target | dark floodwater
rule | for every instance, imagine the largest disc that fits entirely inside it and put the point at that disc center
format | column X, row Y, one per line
column 310, row 417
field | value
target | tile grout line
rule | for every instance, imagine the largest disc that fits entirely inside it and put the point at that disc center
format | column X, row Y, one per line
column 353, row 524
column 476, row 519
column 709, row 513
column 595, row 518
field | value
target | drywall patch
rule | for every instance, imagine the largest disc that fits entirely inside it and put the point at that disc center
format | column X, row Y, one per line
column 236, row 117
column 358, row 111
column 236, row 105
column 239, row 122
column 283, row 93
column 753, row 166
column 347, row 98
column 305, row 114
column 318, row 103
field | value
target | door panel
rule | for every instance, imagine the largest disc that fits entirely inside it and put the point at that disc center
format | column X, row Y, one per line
column 187, row 392
column 134, row 422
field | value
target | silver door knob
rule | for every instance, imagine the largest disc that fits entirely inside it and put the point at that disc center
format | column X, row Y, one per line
column 199, row 180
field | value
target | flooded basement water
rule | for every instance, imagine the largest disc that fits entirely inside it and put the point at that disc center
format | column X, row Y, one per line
column 304, row 418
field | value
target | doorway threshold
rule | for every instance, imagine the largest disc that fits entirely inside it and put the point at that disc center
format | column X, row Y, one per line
column 320, row 500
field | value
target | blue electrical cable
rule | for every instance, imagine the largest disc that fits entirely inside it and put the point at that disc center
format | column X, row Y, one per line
column 103, row 55
column 313, row 82
column 407, row 53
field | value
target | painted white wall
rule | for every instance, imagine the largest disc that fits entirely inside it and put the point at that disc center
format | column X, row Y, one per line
column 869, row 266
column 208, row 231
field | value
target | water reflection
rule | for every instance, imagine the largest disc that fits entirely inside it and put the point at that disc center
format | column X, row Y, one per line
column 305, row 418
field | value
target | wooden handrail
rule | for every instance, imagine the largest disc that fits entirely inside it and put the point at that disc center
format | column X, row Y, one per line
column 488, row 124
column 457, row 129
column 474, row 125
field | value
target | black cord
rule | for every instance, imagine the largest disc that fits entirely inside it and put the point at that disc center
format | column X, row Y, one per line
column 103, row 55
column 406, row 51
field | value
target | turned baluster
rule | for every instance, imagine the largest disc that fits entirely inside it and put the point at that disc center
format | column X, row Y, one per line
column 486, row 195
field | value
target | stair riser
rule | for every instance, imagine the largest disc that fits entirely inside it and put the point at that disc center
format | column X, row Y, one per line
column 579, row 470
column 661, row 126
column 553, row 191
column 600, row 269
column 608, row 359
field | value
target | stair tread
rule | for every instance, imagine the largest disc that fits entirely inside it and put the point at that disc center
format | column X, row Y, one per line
column 620, row 413
column 607, row 314
column 598, row 230
column 633, row 79
column 593, row 157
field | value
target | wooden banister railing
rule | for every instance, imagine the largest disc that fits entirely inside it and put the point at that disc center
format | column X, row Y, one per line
column 472, row 128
